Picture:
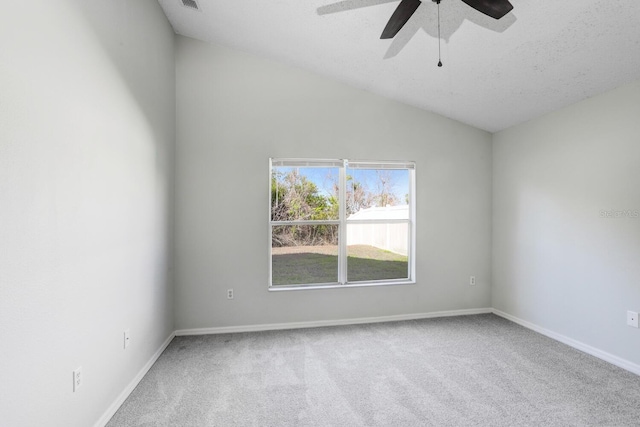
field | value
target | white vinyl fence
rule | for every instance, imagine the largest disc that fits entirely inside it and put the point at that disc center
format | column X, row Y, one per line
column 392, row 237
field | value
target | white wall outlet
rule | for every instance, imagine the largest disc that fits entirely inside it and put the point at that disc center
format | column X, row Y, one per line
column 632, row 318
column 77, row 379
column 127, row 338
column 472, row 280
column 229, row 293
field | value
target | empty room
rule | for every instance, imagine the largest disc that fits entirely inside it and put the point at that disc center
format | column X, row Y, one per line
column 319, row 213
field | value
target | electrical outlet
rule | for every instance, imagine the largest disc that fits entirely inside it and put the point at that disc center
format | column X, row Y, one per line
column 127, row 338
column 77, row 379
column 229, row 293
column 472, row 280
column 632, row 318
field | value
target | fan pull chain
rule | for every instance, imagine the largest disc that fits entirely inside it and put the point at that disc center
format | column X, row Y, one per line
column 439, row 55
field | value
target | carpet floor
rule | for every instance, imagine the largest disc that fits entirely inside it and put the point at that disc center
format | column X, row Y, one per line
column 459, row 371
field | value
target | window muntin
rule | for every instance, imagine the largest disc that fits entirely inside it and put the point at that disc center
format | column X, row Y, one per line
column 341, row 223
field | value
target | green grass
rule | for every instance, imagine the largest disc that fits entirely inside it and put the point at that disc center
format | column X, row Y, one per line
column 365, row 263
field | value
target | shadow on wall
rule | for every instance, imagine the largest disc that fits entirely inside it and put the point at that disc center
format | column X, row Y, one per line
column 452, row 15
column 116, row 37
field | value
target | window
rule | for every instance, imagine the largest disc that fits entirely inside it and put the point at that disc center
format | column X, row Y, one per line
column 341, row 223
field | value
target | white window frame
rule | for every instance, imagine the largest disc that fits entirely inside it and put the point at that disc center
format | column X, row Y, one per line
column 342, row 222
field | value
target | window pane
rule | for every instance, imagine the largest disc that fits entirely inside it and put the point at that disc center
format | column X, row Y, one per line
column 383, row 193
column 377, row 251
column 304, row 254
column 376, row 216
column 304, row 193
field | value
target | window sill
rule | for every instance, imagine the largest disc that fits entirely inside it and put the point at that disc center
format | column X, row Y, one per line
column 279, row 288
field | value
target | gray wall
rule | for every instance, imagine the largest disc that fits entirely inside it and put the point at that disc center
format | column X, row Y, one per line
column 87, row 131
column 234, row 112
column 557, row 262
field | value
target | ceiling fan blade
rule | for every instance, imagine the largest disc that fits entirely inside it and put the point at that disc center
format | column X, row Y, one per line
column 493, row 8
column 400, row 17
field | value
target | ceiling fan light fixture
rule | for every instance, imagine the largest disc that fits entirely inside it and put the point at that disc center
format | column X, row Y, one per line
column 494, row 8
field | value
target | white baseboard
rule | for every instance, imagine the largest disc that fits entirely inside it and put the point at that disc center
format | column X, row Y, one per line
column 322, row 323
column 607, row 357
column 104, row 419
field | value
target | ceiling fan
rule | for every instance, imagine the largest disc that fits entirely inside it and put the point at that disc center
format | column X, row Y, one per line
column 493, row 8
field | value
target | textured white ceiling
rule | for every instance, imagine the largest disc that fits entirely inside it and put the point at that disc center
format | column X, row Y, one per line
column 540, row 57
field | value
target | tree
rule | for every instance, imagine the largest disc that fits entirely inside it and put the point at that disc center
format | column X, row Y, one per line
column 278, row 191
column 295, row 197
column 385, row 195
column 358, row 197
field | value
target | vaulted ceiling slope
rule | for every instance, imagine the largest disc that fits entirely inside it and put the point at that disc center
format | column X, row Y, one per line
column 497, row 73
